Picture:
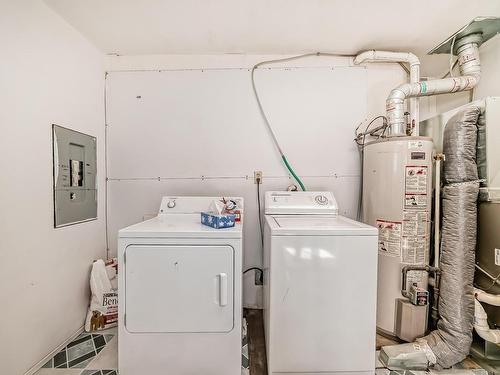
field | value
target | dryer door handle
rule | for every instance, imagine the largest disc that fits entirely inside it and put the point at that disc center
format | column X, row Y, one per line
column 223, row 289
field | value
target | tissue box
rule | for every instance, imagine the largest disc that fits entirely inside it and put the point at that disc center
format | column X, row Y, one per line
column 218, row 221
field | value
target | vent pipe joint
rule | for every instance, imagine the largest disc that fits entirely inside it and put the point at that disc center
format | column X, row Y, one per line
column 467, row 51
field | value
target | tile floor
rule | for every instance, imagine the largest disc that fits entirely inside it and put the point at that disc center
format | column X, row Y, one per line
column 88, row 354
column 97, row 354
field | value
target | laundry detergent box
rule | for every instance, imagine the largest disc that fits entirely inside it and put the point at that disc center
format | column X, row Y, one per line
column 218, row 221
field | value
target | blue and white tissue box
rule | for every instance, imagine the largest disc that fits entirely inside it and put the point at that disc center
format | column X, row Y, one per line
column 218, row 221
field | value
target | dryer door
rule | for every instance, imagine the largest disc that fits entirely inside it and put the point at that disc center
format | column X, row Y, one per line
column 174, row 288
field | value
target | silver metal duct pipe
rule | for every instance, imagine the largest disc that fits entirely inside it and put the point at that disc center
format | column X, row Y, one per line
column 450, row 342
column 374, row 56
column 467, row 50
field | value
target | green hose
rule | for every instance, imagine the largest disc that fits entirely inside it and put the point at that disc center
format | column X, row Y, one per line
column 292, row 172
column 264, row 117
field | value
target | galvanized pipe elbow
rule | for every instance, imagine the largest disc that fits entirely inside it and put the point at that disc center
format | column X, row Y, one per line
column 394, row 107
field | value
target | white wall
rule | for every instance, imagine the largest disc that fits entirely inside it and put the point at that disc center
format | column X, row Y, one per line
column 197, row 103
column 490, row 80
column 48, row 74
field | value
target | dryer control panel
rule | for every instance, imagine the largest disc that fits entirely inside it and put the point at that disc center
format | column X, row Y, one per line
column 300, row 202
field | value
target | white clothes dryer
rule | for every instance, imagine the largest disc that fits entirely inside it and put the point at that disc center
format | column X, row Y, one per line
column 180, row 306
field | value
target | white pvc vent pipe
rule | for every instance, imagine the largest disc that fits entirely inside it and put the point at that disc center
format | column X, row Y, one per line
column 469, row 64
column 481, row 325
column 399, row 57
column 481, row 318
column 490, row 299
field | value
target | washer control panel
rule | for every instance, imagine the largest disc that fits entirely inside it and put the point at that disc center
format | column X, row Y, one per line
column 321, row 199
column 300, row 202
column 193, row 205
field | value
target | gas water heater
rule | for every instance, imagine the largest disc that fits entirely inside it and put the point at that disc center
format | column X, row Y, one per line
column 397, row 189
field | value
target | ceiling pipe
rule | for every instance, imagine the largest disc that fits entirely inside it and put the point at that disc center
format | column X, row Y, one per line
column 374, row 56
column 467, row 50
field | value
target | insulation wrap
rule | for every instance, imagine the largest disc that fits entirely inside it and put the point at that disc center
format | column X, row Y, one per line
column 459, row 147
column 450, row 342
column 481, row 148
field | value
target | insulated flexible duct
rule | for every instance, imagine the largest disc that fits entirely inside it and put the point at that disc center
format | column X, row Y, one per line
column 450, row 342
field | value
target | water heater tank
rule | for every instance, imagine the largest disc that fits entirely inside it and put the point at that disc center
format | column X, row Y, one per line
column 397, row 188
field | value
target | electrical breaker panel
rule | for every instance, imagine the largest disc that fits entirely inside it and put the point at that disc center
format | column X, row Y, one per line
column 75, row 169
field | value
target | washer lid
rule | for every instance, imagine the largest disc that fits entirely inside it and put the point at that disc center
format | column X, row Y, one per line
column 293, row 225
column 178, row 226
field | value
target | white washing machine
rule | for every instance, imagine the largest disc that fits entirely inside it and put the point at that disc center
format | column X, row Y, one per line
column 320, row 285
column 180, row 293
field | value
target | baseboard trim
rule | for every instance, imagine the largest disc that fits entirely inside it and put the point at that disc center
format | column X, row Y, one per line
column 44, row 360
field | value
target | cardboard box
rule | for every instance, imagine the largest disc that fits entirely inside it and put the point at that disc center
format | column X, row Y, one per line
column 218, row 221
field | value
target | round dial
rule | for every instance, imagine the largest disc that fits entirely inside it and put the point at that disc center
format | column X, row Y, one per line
column 171, row 204
column 321, row 199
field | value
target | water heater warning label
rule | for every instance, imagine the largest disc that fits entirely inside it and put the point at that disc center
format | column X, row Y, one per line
column 415, row 223
column 414, row 244
column 389, row 237
column 414, row 250
column 416, row 277
column 416, row 180
column 417, row 201
column 412, row 145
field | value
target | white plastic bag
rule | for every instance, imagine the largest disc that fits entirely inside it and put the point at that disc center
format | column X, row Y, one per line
column 103, row 309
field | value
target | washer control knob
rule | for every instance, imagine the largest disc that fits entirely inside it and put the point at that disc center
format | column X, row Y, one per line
column 171, row 204
column 321, row 199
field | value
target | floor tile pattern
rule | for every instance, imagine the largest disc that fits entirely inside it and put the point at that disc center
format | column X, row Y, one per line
column 86, row 347
column 80, row 352
column 90, row 354
column 245, row 359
